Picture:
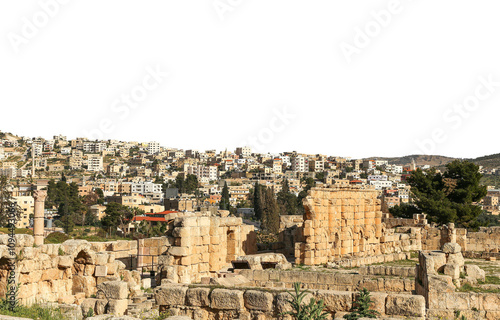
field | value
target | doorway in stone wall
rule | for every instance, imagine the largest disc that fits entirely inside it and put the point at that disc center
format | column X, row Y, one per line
column 336, row 245
column 83, row 274
column 4, row 275
column 231, row 246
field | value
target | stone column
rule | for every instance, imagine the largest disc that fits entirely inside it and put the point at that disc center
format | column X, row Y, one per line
column 140, row 254
column 39, row 217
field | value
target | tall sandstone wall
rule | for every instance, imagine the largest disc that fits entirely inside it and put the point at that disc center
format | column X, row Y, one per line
column 344, row 221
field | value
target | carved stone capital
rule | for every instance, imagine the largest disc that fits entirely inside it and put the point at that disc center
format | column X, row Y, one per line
column 40, row 195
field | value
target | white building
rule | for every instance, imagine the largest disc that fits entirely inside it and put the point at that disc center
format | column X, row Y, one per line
column 95, row 163
column 205, row 174
column 379, row 185
column 244, row 151
column 153, row 147
column 146, row 187
column 300, row 164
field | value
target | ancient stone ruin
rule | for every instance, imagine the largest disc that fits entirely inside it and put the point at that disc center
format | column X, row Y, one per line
column 207, row 266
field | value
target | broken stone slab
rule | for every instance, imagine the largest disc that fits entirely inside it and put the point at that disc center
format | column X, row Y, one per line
column 452, row 270
column 114, row 289
column 475, row 272
column 451, row 248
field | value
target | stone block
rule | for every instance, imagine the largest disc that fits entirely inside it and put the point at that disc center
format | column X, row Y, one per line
column 335, row 300
column 117, row 307
column 475, row 272
column 101, row 271
column 198, row 297
column 224, row 299
column 117, row 290
column 171, row 295
column 456, row 258
column 88, row 304
column 451, row 248
column 405, row 305
column 452, row 270
column 65, row 262
column 101, row 259
column 258, row 300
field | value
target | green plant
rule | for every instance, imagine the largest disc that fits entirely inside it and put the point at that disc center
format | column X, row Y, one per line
column 361, row 308
column 56, row 237
column 457, row 315
column 90, row 313
column 302, row 311
column 162, row 315
column 33, row 312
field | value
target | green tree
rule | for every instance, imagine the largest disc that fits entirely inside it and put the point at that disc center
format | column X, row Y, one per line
column 361, row 308
column 257, row 200
column 404, row 210
column 287, row 201
column 448, row 197
column 320, row 176
column 224, row 201
column 309, row 183
column 117, row 216
column 270, row 212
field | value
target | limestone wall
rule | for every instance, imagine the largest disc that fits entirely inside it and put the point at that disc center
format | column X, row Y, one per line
column 219, row 303
column 290, row 232
column 417, row 221
column 388, row 270
column 203, row 245
column 327, row 280
column 64, row 273
column 485, row 240
column 126, row 251
column 346, row 221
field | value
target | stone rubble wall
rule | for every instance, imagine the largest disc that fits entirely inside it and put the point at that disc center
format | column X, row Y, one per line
column 391, row 222
column 203, row 245
column 388, row 270
column 326, row 281
column 439, row 273
column 201, row 303
column 485, row 240
column 63, row 273
column 346, row 221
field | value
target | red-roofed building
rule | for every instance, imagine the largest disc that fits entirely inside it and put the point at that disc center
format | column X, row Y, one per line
column 152, row 218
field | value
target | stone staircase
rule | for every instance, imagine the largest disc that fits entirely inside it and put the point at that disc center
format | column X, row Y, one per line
column 141, row 304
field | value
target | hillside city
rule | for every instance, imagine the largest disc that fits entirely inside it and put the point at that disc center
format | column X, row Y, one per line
column 155, row 180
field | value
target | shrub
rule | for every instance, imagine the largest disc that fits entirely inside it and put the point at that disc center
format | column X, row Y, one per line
column 56, row 237
column 311, row 311
column 361, row 308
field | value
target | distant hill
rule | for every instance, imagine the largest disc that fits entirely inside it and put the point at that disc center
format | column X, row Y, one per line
column 488, row 162
column 420, row 160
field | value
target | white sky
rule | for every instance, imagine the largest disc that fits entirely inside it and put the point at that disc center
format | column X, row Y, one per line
column 229, row 76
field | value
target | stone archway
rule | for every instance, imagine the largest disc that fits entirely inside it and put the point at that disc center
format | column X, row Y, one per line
column 83, row 274
column 4, row 276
